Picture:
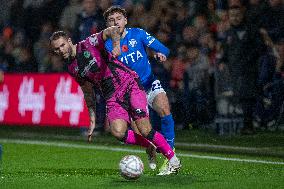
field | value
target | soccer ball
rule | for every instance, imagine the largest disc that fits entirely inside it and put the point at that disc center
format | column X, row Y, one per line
column 131, row 167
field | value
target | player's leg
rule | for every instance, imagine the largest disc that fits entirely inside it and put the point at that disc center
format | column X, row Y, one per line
column 150, row 150
column 162, row 107
column 139, row 113
column 118, row 127
column 145, row 128
column 158, row 100
column 120, row 131
column 119, row 119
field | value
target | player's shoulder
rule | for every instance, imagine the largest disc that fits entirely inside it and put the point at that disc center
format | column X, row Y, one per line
column 93, row 39
column 135, row 30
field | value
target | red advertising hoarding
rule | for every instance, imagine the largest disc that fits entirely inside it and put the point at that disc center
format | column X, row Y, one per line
column 42, row 99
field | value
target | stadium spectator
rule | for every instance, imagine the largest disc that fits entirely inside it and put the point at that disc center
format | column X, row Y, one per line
column 189, row 35
column 41, row 47
column 17, row 14
column 270, row 79
column 255, row 10
column 196, row 87
column 91, row 66
column 69, row 15
column 201, row 24
column 242, row 48
column 222, row 25
column 273, row 19
column 89, row 21
column 5, row 8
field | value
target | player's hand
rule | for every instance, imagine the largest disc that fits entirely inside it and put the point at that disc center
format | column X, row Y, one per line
column 91, row 130
column 116, row 52
column 160, row 57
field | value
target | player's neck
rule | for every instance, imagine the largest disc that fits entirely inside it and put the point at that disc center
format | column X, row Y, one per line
column 74, row 48
column 123, row 33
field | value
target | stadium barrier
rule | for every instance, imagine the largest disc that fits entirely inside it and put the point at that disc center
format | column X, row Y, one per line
column 42, row 100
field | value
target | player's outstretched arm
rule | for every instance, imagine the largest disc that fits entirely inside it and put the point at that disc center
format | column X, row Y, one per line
column 154, row 44
column 89, row 96
column 113, row 33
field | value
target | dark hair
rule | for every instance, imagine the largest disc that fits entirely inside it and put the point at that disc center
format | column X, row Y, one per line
column 56, row 35
column 113, row 9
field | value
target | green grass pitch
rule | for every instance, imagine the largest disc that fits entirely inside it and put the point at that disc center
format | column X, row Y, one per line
column 53, row 166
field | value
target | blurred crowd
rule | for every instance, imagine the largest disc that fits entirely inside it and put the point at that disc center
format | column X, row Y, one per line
column 226, row 55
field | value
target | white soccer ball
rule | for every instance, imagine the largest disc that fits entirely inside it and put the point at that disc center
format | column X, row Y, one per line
column 131, row 167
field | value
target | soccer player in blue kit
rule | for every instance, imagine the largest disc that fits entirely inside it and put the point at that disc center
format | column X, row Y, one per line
column 133, row 54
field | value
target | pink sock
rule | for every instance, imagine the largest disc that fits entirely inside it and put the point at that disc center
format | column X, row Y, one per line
column 136, row 139
column 160, row 142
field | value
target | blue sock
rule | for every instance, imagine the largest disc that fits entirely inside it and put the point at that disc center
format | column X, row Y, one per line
column 168, row 129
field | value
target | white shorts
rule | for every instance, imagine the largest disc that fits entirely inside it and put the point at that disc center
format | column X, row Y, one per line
column 154, row 91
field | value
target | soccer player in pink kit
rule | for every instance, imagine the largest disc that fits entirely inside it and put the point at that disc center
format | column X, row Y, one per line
column 91, row 65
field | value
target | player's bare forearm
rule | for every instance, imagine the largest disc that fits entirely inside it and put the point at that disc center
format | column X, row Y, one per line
column 114, row 34
column 89, row 97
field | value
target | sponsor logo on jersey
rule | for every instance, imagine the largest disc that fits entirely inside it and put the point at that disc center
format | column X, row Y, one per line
column 132, row 57
column 88, row 67
column 94, row 40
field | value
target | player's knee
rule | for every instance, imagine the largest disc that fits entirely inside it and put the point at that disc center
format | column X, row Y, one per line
column 163, row 110
column 118, row 133
column 145, row 132
column 161, row 105
column 143, row 126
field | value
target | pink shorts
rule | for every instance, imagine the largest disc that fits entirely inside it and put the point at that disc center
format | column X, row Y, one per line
column 127, row 104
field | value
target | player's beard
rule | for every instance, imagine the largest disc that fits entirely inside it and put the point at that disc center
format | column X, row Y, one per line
column 69, row 58
column 70, row 52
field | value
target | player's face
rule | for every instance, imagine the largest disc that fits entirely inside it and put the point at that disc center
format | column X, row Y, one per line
column 62, row 47
column 117, row 19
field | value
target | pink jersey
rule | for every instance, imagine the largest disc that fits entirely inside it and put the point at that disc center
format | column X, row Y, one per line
column 94, row 64
column 125, row 97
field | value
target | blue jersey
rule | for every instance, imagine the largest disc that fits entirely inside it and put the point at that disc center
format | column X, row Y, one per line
column 134, row 55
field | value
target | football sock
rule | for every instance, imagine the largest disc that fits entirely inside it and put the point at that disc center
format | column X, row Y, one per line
column 160, row 142
column 168, row 130
column 135, row 139
column 157, row 138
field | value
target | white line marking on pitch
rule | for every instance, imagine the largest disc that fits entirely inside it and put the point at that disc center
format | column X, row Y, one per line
column 118, row 149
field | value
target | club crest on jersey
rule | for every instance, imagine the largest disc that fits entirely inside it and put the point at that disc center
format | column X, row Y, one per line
column 87, row 54
column 132, row 42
